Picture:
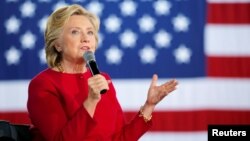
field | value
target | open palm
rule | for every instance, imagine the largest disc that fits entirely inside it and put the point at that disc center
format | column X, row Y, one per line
column 157, row 93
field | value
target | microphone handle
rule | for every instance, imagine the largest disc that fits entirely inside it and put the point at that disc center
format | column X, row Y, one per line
column 93, row 67
column 94, row 70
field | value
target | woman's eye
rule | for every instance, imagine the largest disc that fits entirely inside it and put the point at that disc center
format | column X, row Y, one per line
column 90, row 32
column 75, row 32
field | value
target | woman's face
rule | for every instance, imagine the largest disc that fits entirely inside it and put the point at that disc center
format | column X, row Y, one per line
column 78, row 37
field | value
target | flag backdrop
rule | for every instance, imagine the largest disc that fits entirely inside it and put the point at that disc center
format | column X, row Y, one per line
column 205, row 45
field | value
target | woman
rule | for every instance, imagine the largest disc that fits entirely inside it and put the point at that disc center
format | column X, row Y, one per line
column 65, row 103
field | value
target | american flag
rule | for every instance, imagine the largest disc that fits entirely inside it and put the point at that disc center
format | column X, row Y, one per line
column 203, row 44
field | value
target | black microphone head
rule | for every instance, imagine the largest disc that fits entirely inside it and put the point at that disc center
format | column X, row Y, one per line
column 89, row 56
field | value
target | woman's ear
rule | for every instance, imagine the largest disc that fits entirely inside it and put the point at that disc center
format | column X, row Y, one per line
column 58, row 47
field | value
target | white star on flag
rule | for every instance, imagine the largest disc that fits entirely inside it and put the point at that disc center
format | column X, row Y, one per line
column 128, row 39
column 12, row 25
column 28, row 40
column 181, row 23
column 114, row 55
column 162, row 7
column 128, row 8
column 95, row 7
column 12, row 56
column 162, row 39
column 182, row 54
column 112, row 23
column 148, row 55
column 28, row 9
column 146, row 23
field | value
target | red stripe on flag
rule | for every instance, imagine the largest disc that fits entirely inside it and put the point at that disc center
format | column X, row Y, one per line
column 228, row 66
column 229, row 13
column 170, row 121
column 195, row 120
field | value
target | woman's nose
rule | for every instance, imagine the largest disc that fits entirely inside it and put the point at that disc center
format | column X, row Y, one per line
column 84, row 38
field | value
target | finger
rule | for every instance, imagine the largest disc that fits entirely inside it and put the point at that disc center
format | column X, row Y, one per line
column 173, row 81
column 170, row 84
column 98, row 83
column 98, row 79
column 171, row 89
column 154, row 80
column 102, row 83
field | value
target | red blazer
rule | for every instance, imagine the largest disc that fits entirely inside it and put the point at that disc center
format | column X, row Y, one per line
column 55, row 106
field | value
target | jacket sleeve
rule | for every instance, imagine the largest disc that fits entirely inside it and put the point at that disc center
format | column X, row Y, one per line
column 133, row 130
column 47, row 114
column 128, row 131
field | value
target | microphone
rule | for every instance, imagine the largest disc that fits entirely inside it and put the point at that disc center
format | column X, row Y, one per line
column 91, row 62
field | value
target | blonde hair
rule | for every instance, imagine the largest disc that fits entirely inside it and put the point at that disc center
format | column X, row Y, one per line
column 54, row 28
